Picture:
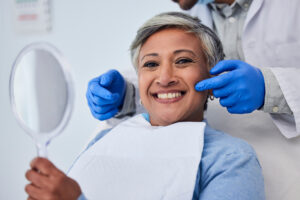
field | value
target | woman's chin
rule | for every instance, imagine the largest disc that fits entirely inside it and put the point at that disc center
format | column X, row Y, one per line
column 164, row 120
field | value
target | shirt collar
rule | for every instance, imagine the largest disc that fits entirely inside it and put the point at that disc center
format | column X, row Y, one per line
column 228, row 10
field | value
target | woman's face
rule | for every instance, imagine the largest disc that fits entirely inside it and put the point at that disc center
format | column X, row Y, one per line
column 170, row 63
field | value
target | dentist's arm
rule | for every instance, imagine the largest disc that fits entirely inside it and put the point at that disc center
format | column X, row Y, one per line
column 241, row 89
column 48, row 182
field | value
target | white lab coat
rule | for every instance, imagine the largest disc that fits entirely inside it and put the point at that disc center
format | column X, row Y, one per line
column 271, row 39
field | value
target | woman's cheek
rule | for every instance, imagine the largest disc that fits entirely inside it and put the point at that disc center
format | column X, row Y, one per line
column 143, row 86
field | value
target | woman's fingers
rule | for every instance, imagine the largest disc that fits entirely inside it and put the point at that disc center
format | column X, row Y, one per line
column 33, row 191
column 48, row 182
column 37, row 178
column 44, row 166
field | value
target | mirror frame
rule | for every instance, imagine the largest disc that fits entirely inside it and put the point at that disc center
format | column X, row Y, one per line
column 65, row 67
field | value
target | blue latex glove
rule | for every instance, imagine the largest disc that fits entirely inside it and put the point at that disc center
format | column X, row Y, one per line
column 241, row 89
column 105, row 94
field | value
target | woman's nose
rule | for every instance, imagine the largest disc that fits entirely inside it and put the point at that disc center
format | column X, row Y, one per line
column 166, row 76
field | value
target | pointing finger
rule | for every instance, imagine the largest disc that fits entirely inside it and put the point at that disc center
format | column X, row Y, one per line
column 214, row 82
column 225, row 65
column 100, row 101
column 108, row 78
column 100, row 91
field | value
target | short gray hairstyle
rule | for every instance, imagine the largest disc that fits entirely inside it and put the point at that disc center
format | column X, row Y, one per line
column 213, row 49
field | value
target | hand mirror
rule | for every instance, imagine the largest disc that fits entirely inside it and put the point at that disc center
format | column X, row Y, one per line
column 41, row 93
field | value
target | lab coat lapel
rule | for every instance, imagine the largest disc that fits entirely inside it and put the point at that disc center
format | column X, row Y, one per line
column 253, row 10
column 203, row 13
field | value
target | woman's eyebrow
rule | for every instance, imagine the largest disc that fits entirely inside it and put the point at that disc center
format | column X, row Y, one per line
column 150, row 54
column 184, row 50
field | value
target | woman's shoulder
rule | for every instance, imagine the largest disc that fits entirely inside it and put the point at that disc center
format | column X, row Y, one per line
column 218, row 141
column 226, row 163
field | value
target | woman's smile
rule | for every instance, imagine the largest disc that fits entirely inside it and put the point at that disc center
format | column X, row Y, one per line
column 170, row 96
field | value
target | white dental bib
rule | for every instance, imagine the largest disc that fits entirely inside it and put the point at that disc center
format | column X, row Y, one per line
column 138, row 161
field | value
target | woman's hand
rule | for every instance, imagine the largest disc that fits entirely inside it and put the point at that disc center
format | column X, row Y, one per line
column 48, row 182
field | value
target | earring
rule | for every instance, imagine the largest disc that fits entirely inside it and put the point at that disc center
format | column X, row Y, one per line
column 211, row 95
column 140, row 102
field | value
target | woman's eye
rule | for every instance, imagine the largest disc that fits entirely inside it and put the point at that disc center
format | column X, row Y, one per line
column 150, row 64
column 184, row 61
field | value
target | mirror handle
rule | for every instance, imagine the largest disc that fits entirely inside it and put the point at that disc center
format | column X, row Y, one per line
column 42, row 149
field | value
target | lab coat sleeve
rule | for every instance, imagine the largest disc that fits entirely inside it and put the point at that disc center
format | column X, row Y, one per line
column 131, row 105
column 274, row 101
column 289, row 82
column 203, row 13
column 128, row 107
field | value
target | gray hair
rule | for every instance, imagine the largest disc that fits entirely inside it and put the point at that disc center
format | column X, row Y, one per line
column 213, row 49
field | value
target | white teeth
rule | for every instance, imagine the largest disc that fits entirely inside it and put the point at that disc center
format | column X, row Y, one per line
column 168, row 95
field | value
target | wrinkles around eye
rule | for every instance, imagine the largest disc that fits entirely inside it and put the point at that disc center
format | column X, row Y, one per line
column 184, row 61
column 150, row 64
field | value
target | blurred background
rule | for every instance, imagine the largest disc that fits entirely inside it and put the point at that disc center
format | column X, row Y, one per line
column 94, row 36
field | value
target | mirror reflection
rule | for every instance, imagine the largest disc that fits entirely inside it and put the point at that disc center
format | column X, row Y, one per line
column 41, row 92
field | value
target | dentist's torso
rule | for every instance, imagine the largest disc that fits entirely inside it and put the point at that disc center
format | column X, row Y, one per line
column 270, row 39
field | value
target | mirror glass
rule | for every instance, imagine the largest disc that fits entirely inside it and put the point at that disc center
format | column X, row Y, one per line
column 41, row 92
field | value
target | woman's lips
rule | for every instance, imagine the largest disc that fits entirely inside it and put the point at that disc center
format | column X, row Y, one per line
column 168, row 97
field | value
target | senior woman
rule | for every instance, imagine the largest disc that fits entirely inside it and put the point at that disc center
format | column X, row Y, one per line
column 169, row 152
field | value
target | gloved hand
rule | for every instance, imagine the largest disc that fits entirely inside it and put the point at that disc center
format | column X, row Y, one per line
column 105, row 94
column 241, row 89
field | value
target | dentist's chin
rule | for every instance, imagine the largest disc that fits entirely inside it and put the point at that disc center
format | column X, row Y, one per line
column 186, row 4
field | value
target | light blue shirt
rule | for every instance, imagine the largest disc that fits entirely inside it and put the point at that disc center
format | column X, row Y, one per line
column 228, row 23
column 228, row 170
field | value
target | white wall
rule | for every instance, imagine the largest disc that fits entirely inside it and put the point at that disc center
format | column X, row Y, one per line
column 94, row 36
